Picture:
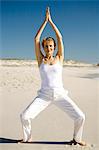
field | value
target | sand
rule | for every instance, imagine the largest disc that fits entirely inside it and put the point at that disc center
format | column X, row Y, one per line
column 19, row 82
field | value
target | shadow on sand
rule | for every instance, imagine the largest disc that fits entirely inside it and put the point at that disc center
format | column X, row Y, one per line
column 7, row 140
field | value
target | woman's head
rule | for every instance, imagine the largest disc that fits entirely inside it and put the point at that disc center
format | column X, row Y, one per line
column 49, row 45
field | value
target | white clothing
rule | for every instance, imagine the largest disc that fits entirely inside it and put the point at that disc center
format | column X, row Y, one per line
column 51, row 75
column 48, row 94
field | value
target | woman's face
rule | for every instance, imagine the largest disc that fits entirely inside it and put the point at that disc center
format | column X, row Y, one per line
column 49, row 47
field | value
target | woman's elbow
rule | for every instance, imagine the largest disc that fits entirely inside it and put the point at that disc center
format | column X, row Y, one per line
column 59, row 36
column 36, row 38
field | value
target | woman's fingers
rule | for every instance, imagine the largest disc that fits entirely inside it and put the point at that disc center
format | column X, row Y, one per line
column 47, row 12
column 48, row 9
column 48, row 16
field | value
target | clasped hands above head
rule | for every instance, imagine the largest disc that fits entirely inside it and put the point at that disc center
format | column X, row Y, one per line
column 48, row 15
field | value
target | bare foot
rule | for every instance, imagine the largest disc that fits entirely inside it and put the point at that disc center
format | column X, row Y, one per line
column 82, row 143
column 21, row 141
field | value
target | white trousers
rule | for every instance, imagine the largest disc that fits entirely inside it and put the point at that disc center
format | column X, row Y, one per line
column 60, row 98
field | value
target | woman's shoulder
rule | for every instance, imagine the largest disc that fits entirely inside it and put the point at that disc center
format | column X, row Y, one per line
column 41, row 61
column 59, row 58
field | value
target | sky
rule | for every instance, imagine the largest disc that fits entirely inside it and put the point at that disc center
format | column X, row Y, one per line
column 78, row 22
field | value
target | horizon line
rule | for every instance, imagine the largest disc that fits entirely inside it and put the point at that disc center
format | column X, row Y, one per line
column 14, row 58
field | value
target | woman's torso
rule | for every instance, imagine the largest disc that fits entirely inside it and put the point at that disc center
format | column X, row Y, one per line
column 51, row 75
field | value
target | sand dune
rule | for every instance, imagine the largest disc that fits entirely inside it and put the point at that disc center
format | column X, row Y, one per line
column 19, row 62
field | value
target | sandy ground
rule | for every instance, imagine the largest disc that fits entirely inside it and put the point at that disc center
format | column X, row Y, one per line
column 18, row 87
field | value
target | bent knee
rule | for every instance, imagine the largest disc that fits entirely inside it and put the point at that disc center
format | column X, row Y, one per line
column 82, row 117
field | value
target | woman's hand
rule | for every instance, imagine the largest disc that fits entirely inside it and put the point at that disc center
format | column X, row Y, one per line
column 47, row 14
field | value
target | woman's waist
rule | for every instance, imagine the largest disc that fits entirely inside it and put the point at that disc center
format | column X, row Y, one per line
column 50, row 91
column 54, row 84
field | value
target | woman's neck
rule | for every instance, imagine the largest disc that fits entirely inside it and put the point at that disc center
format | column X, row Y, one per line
column 49, row 57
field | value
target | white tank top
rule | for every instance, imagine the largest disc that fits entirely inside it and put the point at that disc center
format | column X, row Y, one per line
column 51, row 75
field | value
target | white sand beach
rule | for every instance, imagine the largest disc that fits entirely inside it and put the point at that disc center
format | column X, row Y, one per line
column 19, row 82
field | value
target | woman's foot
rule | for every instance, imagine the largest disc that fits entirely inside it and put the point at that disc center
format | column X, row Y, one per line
column 21, row 141
column 82, row 143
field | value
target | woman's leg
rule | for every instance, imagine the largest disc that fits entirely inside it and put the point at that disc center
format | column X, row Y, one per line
column 67, row 105
column 29, row 113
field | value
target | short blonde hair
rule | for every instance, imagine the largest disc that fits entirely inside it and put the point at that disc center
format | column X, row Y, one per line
column 48, row 39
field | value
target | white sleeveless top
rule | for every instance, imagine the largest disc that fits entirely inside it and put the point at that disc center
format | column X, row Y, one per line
column 51, row 75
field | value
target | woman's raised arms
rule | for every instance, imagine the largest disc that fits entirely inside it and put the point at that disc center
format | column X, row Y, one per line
column 60, row 51
column 38, row 52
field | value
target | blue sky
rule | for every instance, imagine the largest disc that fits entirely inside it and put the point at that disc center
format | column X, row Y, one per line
column 78, row 22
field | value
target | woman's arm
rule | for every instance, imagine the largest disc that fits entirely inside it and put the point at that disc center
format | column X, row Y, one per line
column 38, row 52
column 60, row 52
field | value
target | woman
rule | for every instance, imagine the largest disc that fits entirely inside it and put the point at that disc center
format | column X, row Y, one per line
column 51, row 90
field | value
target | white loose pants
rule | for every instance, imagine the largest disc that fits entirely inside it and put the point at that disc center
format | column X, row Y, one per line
column 60, row 98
